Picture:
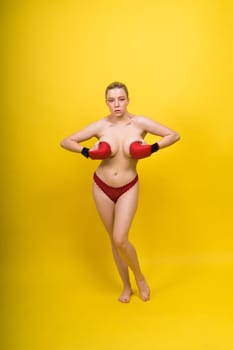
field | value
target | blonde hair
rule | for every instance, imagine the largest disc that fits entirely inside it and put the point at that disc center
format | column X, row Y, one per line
column 116, row 84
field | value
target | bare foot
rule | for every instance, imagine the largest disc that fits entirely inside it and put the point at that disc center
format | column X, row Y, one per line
column 125, row 295
column 144, row 289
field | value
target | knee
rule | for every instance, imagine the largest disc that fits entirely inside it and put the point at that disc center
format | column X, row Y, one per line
column 119, row 242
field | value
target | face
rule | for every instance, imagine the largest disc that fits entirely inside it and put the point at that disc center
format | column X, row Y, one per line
column 117, row 102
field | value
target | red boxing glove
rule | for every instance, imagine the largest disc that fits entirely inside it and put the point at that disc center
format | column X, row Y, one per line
column 102, row 152
column 139, row 150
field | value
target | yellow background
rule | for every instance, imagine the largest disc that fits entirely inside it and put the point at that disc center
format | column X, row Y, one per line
column 59, row 280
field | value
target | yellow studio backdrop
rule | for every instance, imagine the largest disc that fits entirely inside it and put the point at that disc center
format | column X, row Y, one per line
column 59, row 278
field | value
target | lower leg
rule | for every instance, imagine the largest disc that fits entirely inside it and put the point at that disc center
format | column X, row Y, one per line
column 125, row 209
column 129, row 255
column 124, row 274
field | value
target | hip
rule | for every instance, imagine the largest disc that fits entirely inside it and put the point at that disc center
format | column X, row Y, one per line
column 116, row 177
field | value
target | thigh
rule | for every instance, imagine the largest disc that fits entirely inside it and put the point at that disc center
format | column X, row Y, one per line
column 105, row 207
column 125, row 210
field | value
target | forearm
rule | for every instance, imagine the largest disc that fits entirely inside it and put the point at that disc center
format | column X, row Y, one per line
column 139, row 150
column 71, row 145
column 168, row 140
column 103, row 150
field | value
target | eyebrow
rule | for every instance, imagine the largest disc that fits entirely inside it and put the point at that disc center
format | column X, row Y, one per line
column 116, row 97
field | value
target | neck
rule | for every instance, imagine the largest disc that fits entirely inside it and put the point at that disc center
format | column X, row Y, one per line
column 119, row 119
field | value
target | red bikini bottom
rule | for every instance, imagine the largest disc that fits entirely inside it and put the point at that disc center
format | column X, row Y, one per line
column 114, row 192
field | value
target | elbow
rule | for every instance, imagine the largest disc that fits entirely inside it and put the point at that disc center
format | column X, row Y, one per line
column 177, row 137
column 63, row 144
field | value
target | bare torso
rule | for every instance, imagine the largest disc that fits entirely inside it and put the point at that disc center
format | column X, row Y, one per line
column 120, row 168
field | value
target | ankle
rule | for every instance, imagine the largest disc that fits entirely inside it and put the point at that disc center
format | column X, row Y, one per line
column 127, row 286
column 139, row 278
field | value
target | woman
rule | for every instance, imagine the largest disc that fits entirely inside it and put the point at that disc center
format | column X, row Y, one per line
column 115, row 184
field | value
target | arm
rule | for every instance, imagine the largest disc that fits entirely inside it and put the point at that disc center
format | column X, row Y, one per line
column 138, row 150
column 168, row 136
column 72, row 142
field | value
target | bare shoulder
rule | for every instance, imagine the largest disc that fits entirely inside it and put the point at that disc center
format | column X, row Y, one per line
column 102, row 122
column 93, row 129
column 98, row 125
column 143, row 121
column 139, row 118
column 149, row 125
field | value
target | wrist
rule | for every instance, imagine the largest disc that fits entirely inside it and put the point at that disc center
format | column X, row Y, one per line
column 85, row 152
column 154, row 147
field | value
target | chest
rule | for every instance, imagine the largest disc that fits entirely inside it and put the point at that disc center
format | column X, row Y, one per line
column 119, row 133
column 120, row 136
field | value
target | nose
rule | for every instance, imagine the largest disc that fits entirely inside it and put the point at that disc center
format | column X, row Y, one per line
column 116, row 103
